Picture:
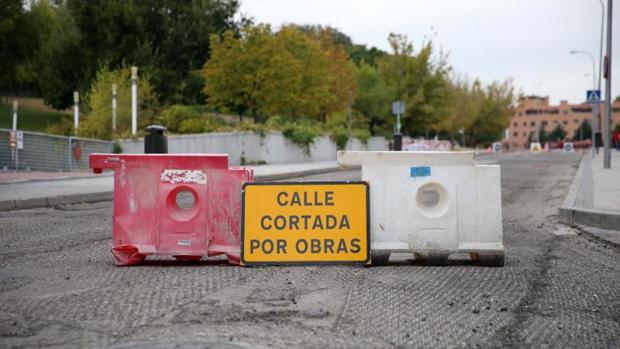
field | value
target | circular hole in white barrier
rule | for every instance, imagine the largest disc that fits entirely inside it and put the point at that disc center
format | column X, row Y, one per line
column 432, row 200
column 185, row 199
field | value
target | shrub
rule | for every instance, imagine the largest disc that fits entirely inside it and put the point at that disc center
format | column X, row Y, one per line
column 362, row 134
column 174, row 116
column 301, row 134
column 97, row 122
column 340, row 136
column 192, row 125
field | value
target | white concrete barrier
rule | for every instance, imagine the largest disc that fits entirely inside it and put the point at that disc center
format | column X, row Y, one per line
column 432, row 204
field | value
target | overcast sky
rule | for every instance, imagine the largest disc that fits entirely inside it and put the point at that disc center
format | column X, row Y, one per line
column 528, row 40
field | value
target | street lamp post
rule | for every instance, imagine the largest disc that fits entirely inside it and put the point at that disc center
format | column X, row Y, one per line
column 594, row 110
column 608, row 97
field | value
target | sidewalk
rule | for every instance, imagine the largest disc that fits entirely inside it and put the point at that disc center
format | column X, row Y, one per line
column 593, row 200
column 606, row 182
column 82, row 187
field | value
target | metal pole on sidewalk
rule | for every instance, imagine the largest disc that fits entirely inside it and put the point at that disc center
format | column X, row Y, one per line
column 349, row 125
column 70, row 158
column 600, row 68
column 134, row 100
column 608, row 97
column 15, row 115
column 76, row 110
column 114, row 107
column 595, row 118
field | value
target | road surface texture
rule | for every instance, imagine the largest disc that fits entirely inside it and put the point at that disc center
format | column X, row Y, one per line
column 559, row 288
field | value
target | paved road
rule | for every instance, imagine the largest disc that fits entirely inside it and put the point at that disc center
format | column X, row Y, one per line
column 59, row 288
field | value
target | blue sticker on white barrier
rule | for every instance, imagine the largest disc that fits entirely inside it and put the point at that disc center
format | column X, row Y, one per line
column 422, row 171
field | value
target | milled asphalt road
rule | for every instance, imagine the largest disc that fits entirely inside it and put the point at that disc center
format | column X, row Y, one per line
column 59, row 287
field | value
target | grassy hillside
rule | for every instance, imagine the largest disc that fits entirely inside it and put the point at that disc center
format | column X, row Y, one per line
column 30, row 119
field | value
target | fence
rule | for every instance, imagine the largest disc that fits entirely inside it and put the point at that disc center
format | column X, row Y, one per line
column 44, row 152
column 250, row 147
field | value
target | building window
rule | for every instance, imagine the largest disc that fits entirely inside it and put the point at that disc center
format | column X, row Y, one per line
column 532, row 123
column 564, row 122
column 531, row 112
column 544, row 123
column 515, row 124
column 576, row 121
column 516, row 134
column 524, row 123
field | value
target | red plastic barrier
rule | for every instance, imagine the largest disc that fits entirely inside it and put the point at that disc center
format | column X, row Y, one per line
column 187, row 206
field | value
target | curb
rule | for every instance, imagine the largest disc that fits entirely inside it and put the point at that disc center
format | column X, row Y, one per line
column 53, row 201
column 577, row 206
column 280, row 176
column 10, row 205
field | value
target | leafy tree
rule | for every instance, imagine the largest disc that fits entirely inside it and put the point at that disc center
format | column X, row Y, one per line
column 253, row 74
column 584, row 131
column 317, row 31
column 98, row 119
column 341, row 79
column 557, row 133
column 543, row 137
column 169, row 39
column 466, row 102
column 374, row 98
column 289, row 73
column 311, row 91
column 419, row 81
column 494, row 114
column 361, row 53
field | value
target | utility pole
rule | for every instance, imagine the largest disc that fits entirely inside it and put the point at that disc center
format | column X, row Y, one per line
column 593, row 101
column 134, row 100
column 349, row 125
column 596, row 108
column 76, row 110
column 608, row 97
column 114, row 107
column 15, row 115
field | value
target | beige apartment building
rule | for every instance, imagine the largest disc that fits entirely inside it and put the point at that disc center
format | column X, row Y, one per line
column 534, row 110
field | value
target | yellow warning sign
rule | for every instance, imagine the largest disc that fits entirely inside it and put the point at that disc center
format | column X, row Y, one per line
column 305, row 222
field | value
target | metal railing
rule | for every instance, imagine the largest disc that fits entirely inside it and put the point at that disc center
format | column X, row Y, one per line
column 44, row 152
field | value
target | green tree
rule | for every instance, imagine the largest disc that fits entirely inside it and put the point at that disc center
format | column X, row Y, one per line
column 310, row 91
column 557, row 134
column 584, row 131
column 494, row 114
column 374, row 98
column 361, row 53
column 466, row 102
column 290, row 73
column 341, row 78
column 97, row 122
column 253, row 74
column 421, row 82
column 168, row 39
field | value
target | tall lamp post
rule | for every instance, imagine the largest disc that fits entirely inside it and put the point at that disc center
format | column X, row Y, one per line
column 608, row 97
column 594, row 111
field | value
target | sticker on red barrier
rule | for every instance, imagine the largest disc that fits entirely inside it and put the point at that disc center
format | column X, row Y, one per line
column 305, row 222
column 187, row 206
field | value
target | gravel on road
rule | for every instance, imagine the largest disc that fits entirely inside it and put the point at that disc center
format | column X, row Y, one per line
column 60, row 288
